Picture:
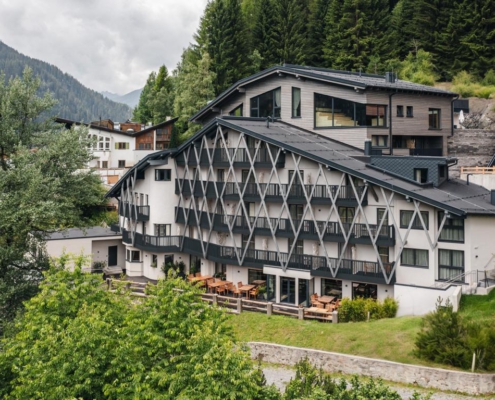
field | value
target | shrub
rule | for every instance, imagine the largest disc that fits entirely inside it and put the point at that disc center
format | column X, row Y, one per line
column 489, row 79
column 463, row 78
column 484, row 92
column 464, row 90
column 357, row 310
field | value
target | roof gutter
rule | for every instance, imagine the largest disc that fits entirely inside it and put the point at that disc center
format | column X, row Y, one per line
column 390, row 150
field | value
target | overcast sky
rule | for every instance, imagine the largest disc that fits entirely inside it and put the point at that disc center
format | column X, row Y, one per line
column 108, row 45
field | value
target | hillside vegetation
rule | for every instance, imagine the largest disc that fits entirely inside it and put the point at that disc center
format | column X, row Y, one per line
column 74, row 101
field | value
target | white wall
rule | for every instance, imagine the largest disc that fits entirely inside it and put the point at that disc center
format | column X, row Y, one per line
column 415, row 300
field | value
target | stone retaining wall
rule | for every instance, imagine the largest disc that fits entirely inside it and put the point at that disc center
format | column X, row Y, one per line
column 441, row 379
column 473, row 147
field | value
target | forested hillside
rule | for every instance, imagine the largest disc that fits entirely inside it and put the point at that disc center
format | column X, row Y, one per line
column 424, row 40
column 74, row 101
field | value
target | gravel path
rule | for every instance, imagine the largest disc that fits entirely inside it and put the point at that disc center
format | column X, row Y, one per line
column 281, row 376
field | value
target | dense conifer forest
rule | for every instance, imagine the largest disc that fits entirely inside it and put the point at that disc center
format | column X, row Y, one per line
column 74, row 101
column 425, row 41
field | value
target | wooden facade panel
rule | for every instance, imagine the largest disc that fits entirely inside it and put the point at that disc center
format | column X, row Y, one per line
column 145, row 141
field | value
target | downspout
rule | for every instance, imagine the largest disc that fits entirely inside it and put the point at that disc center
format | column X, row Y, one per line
column 452, row 114
column 390, row 151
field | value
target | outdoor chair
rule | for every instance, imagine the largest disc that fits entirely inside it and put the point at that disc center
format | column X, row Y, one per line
column 208, row 283
column 254, row 293
column 221, row 289
column 236, row 290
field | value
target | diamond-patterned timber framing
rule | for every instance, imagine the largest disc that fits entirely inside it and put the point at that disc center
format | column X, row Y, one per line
column 198, row 206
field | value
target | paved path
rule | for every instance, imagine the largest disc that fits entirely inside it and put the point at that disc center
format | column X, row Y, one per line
column 281, row 376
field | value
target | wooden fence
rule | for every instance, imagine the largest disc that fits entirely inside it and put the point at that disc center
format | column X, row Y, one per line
column 233, row 305
column 478, row 170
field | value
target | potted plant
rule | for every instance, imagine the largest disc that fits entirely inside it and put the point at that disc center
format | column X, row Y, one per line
column 220, row 275
column 262, row 292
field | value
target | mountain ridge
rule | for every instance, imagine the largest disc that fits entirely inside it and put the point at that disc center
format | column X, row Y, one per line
column 75, row 101
column 131, row 98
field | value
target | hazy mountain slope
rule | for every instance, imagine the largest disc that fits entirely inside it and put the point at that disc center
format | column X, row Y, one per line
column 75, row 101
column 131, row 98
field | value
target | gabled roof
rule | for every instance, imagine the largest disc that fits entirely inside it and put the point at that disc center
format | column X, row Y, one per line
column 105, row 129
column 453, row 196
column 355, row 80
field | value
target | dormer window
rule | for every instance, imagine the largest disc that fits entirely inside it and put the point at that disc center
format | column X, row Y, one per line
column 267, row 104
column 421, row 175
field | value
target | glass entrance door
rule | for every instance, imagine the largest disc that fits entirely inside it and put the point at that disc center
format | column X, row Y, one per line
column 303, row 292
column 288, row 290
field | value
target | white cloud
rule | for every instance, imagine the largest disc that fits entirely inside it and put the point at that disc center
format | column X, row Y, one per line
column 106, row 44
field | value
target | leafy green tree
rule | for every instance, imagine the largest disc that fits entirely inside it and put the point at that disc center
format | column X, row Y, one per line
column 194, row 88
column 418, row 68
column 77, row 340
column 43, row 187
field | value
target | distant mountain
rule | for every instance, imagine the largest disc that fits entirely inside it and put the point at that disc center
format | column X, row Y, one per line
column 131, row 98
column 75, row 101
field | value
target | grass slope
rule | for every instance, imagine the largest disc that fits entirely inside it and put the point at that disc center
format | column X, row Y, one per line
column 387, row 339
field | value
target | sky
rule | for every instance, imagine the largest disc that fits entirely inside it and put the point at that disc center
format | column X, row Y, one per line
column 107, row 45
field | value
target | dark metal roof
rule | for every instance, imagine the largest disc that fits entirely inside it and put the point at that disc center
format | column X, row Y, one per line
column 105, row 129
column 352, row 79
column 76, row 233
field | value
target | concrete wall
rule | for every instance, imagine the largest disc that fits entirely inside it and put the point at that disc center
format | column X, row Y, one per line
column 417, row 300
column 396, row 372
column 473, row 147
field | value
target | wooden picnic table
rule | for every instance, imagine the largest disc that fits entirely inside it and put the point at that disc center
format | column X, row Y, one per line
column 316, row 310
column 218, row 284
column 246, row 288
column 201, row 278
column 258, row 282
column 326, row 299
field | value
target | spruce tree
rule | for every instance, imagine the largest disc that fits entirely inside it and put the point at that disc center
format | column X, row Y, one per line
column 316, row 32
column 290, row 30
column 143, row 112
column 264, row 36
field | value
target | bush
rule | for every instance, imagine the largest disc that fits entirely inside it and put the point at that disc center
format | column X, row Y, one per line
column 464, row 90
column 489, row 79
column 463, row 78
column 484, row 92
column 357, row 310
column 446, row 338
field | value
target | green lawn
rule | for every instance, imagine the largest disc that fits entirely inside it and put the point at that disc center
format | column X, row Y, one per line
column 388, row 339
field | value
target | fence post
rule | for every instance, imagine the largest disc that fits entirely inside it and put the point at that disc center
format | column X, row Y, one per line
column 335, row 317
column 269, row 308
column 109, row 283
column 215, row 300
column 239, row 305
column 300, row 313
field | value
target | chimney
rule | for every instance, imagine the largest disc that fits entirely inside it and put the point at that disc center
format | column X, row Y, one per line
column 492, row 199
column 390, row 77
column 367, row 147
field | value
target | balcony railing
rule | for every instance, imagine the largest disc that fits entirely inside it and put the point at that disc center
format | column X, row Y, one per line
column 152, row 243
column 240, row 156
column 308, row 229
column 273, row 191
column 138, row 213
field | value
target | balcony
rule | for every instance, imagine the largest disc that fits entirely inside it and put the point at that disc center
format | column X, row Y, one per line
column 309, row 229
column 160, row 244
column 240, row 158
column 363, row 271
column 137, row 213
column 274, row 192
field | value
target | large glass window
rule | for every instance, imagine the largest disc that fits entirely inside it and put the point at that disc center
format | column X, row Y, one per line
column 237, row 112
column 133, row 255
column 453, row 229
column 379, row 141
column 256, row 275
column 296, row 102
column 414, row 258
column 450, row 265
column 332, row 112
column 331, row 287
column 267, row 104
column 163, row 229
column 163, row 174
column 380, row 212
column 434, row 118
column 406, row 216
column 298, row 248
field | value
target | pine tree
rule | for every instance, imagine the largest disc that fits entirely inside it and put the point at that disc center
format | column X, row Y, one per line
column 143, row 112
column 316, row 32
column 291, row 30
column 264, row 36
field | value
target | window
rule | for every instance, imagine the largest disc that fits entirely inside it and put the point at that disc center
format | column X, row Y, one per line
column 421, row 175
column 294, row 174
column 101, row 144
column 154, row 260
column 220, row 175
column 384, row 254
column 380, row 212
column 266, row 104
column 98, row 164
column 163, row 174
column 133, row 256
column 364, row 290
column 169, row 259
column 246, row 243
column 163, row 229
column 219, row 143
column 346, row 214
column 331, row 287
column 145, row 146
column 450, row 265
column 434, row 118
column 379, row 141
column 121, row 163
column 298, row 248
column 409, row 111
column 442, row 171
column 237, row 112
column 247, row 176
column 256, row 275
column 400, row 111
column 121, row 146
column 107, row 143
column 296, row 212
column 406, row 216
column 453, row 229
column 104, row 164
column 414, row 258
column 331, row 112
column 220, row 269
column 296, row 102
